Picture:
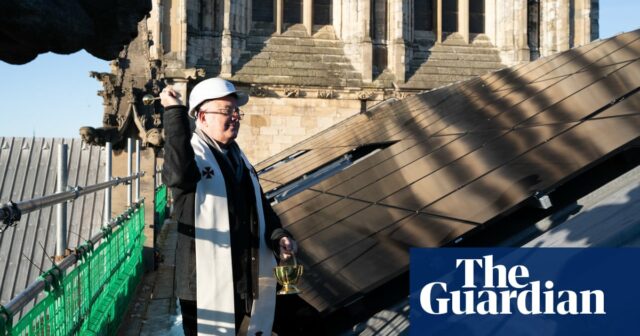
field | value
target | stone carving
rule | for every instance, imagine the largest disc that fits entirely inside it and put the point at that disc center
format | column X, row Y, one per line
column 292, row 92
column 109, row 120
column 326, row 94
column 151, row 136
column 102, row 27
column 122, row 120
column 157, row 119
column 132, row 76
column 401, row 95
column 108, row 83
column 191, row 73
column 100, row 136
column 257, row 91
column 364, row 95
column 154, row 137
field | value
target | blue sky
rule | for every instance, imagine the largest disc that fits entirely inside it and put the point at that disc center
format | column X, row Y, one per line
column 53, row 95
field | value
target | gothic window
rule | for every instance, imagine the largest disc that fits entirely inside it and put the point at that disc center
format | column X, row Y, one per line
column 322, row 12
column 379, row 19
column 292, row 11
column 170, row 11
column 572, row 23
column 206, row 15
column 262, row 10
column 533, row 28
column 423, row 14
column 450, row 15
column 476, row 16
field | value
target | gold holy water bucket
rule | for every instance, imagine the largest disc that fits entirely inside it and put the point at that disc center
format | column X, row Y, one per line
column 288, row 276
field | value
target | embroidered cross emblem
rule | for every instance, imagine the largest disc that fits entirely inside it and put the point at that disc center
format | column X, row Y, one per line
column 207, row 172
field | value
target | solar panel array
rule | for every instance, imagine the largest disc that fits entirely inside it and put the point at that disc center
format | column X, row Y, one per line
column 28, row 171
column 460, row 157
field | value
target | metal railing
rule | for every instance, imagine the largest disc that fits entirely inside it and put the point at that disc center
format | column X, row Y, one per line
column 91, row 298
column 11, row 212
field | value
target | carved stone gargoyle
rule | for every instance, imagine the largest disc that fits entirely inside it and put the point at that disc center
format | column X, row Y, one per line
column 292, row 92
column 100, row 136
column 150, row 137
column 116, row 135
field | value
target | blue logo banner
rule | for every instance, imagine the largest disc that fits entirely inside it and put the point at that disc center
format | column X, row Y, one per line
column 525, row 291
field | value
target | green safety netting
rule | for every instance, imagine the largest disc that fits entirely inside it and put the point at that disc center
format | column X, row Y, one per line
column 161, row 204
column 91, row 298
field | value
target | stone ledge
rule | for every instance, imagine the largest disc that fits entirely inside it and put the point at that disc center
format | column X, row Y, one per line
column 462, row 71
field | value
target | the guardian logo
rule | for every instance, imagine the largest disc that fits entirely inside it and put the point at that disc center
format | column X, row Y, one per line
column 505, row 290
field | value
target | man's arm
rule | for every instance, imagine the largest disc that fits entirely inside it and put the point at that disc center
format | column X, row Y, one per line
column 179, row 169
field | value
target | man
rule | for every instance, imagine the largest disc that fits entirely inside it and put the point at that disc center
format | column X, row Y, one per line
column 227, row 229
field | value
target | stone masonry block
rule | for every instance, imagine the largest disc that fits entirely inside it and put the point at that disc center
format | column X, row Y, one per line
column 309, row 123
column 258, row 121
column 269, row 131
column 293, row 121
column 283, row 139
column 325, row 122
column 274, row 148
column 296, row 132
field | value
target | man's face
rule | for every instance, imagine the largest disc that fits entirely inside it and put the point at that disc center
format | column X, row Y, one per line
column 215, row 121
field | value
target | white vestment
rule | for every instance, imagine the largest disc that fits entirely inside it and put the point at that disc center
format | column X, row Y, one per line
column 214, row 274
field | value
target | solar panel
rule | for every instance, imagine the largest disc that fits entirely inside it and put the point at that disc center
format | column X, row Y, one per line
column 349, row 183
column 630, row 105
column 403, row 180
column 317, row 217
column 542, row 168
column 310, row 161
column 493, row 153
column 609, row 49
column 465, row 155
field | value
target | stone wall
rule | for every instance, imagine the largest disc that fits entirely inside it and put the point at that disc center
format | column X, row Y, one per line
column 280, row 59
column 273, row 124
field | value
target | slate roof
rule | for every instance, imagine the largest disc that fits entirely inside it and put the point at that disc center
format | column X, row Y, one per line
column 28, row 171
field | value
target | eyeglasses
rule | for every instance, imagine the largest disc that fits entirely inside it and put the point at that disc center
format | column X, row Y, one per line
column 228, row 112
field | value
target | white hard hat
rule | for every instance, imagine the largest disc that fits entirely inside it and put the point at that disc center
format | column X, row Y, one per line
column 213, row 88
